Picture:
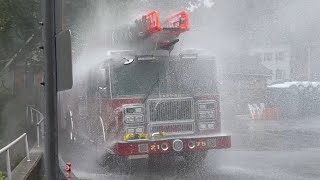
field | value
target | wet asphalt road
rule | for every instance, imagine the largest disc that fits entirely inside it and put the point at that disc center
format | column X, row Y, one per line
column 273, row 149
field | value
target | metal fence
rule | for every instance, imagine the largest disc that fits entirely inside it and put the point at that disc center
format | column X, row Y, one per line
column 39, row 121
column 35, row 115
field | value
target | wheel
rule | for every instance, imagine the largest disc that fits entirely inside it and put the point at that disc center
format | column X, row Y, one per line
column 115, row 162
column 195, row 158
column 152, row 163
column 125, row 165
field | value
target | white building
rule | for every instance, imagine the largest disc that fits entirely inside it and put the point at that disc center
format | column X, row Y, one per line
column 276, row 59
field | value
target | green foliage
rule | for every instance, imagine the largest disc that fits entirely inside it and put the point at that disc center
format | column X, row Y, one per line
column 2, row 177
column 18, row 20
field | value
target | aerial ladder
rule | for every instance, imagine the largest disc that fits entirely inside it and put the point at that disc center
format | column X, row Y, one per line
column 148, row 33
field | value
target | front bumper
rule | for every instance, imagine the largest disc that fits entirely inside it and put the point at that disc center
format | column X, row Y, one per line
column 171, row 145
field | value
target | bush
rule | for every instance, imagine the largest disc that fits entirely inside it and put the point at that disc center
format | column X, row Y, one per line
column 2, row 177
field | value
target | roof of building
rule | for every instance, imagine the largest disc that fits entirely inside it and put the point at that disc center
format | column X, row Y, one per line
column 289, row 84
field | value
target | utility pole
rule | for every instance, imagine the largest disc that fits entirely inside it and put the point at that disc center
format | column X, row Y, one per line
column 52, row 26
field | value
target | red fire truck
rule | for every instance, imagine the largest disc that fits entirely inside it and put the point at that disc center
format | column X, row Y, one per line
column 143, row 103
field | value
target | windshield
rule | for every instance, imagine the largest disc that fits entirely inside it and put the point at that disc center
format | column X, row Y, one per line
column 187, row 77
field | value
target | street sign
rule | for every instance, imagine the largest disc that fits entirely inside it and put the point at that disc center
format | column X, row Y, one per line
column 64, row 61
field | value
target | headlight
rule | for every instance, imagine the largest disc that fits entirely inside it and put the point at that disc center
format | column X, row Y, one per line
column 202, row 126
column 202, row 115
column 134, row 119
column 206, row 105
column 133, row 110
column 138, row 119
column 210, row 115
column 129, row 119
column 133, row 113
column 206, row 126
column 202, row 106
column 135, row 130
column 130, row 131
column 206, row 110
column 210, row 126
column 139, row 130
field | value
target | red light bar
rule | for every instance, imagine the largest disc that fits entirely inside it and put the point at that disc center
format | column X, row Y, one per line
column 153, row 22
column 180, row 20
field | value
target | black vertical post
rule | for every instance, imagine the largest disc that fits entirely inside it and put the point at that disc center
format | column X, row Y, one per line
column 52, row 26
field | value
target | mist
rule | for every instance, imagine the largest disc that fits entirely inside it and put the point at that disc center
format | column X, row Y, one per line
column 233, row 31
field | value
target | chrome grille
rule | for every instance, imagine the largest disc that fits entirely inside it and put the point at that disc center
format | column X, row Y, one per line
column 170, row 109
column 173, row 128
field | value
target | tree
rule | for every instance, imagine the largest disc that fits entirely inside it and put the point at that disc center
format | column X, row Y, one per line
column 18, row 22
column 19, row 41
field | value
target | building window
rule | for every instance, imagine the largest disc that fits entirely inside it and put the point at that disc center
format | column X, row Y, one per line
column 280, row 74
column 280, row 56
column 267, row 57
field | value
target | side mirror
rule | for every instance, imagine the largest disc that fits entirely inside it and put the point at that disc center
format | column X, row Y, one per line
column 128, row 61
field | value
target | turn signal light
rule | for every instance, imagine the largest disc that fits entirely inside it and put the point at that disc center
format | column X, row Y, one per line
column 191, row 144
column 164, row 146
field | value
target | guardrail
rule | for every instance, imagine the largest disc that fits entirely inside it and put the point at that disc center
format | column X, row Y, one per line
column 7, row 149
column 39, row 119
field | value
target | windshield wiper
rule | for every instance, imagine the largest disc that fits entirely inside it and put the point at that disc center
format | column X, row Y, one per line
column 151, row 89
column 161, row 70
column 182, row 84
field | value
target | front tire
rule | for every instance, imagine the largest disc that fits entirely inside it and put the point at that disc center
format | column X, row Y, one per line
column 115, row 162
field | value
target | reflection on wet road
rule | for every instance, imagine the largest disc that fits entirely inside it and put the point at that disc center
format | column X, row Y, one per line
column 283, row 149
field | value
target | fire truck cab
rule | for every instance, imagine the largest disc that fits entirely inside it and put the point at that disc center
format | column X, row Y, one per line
column 145, row 106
